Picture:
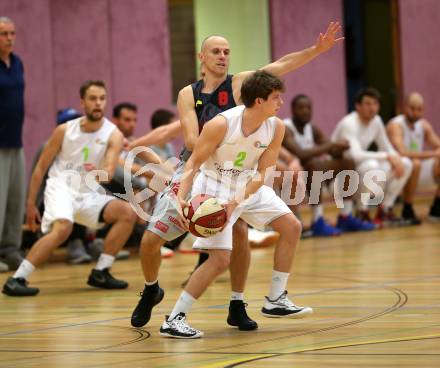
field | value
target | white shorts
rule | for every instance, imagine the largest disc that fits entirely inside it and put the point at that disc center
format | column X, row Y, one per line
column 427, row 178
column 60, row 202
column 258, row 211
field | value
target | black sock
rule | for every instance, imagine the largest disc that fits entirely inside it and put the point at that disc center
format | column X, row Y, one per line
column 436, row 202
column 203, row 257
column 407, row 205
column 408, row 211
column 152, row 289
column 174, row 244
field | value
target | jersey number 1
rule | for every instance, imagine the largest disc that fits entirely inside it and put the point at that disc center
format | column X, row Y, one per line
column 85, row 151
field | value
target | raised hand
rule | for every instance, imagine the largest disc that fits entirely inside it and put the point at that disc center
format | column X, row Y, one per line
column 330, row 38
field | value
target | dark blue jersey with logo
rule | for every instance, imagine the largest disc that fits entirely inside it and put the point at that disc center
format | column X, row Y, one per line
column 208, row 105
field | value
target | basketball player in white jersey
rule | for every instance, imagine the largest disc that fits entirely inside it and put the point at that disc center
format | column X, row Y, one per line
column 215, row 92
column 317, row 153
column 361, row 128
column 73, row 194
column 233, row 153
column 410, row 133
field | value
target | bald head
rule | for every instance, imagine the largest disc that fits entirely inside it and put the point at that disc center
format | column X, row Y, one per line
column 414, row 98
column 414, row 107
column 214, row 56
column 209, row 41
column 6, row 20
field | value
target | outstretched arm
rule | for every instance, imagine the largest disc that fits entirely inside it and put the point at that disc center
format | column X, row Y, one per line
column 158, row 136
column 290, row 62
column 295, row 60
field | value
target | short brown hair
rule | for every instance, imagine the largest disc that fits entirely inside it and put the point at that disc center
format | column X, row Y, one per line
column 259, row 85
column 89, row 83
column 161, row 117
column 367, row 92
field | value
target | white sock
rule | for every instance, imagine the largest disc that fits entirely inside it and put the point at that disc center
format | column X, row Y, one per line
column 348, row 207
column 183, row 305
column 150, row 283
column 394, row 186
column 317, row 212
column 24, row 270
column 278, row 285
column 104, row 261
column 237, row 296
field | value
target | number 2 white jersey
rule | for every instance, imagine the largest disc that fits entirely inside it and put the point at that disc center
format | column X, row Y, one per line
column 79, row 148
column 236, row 159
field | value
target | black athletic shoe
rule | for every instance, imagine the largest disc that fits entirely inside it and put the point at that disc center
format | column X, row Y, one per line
column 409, row 215
column 238, row 317
column 103, row 279
column 387, row 218
column 142, row 313
column 434, row 212
column 178, row 328
column 18, row 287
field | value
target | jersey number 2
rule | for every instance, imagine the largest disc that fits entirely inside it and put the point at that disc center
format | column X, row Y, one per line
column 241, row 156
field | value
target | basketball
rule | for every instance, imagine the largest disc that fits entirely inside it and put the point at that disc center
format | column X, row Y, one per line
column 206, row 215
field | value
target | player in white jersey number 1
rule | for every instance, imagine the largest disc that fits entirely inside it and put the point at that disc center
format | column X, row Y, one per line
column 233, row 153
column 73, row 194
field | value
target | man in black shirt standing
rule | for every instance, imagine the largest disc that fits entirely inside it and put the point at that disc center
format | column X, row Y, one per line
column 12, row 186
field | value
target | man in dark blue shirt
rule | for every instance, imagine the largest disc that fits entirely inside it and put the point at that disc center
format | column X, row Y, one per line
column 12, row 187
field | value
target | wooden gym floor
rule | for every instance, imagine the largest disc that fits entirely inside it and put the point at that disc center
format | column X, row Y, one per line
column 376, row 298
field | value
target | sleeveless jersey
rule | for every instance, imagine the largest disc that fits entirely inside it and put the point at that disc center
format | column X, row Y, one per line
column 413, row 138
column 236, row 159
column 305, row 140
column 79, row 148
column 208, row 105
